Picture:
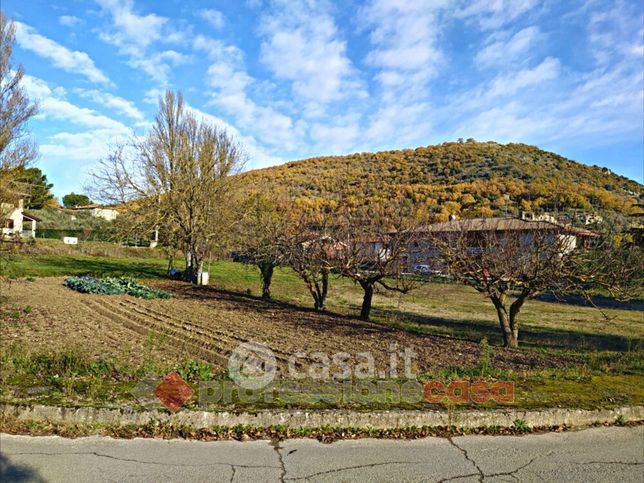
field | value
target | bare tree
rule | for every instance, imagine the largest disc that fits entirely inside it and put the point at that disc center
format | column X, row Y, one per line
column 16, row 147
column 263, row 235
column 374, row 253
column 507, row 266
column 177, row 180
column 309, row 251
column 511, row 266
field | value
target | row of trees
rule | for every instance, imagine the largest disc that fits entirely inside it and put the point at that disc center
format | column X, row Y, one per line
column 178, row 182
column 508, row 267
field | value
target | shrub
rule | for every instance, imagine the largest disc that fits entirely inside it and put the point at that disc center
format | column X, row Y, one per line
column 114, row 286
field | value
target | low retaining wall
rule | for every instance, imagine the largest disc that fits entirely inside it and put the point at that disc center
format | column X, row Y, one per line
column 466, row 419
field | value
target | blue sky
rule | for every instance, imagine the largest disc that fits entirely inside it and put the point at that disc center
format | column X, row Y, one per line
column 294, row 79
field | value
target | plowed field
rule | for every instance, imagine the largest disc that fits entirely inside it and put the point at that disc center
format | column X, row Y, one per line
column 208, row 324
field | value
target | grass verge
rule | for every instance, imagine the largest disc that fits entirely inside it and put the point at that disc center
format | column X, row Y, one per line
column 274, row 433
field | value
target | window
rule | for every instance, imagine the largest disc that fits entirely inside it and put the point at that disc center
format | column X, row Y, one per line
column 8, row 224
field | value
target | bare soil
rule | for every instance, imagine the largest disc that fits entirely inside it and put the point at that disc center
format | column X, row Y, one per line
column 208, row 324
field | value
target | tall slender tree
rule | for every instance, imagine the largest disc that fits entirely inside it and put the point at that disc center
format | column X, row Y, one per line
column 17, row 149
column 177, row 180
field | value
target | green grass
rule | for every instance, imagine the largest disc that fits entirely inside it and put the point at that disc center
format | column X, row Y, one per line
column 60, row 266
column 435, row 308
column 72, row 378
column 610, row 351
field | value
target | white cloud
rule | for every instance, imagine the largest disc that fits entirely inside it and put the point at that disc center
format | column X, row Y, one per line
column 405, row 34
column 492, row 14
column 230, row 81
column 69, row 20
column 60, row 56
column 213, row 17
column 36, row 88
column 258, row 156
column 399, row 125
column 510, row 84
column 134, row 34
column 81, row 136
column 303, row 46
column 616, row 32
column 504, row 52
column 159, row 65
column 337, row 135
column 151, row 96
column 63, row 110
column 86, row 146
column 113, row 102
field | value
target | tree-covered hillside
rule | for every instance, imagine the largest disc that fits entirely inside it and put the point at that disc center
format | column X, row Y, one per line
column 462, row 178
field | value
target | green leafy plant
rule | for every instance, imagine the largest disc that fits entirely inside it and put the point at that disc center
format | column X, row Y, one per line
column 521, row 425
column 114, row 286
column 195, row 371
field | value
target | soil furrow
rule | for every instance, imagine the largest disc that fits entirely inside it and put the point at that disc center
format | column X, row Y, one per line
column 182, row 344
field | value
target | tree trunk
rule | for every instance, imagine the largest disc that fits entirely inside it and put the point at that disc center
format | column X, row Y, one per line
column 321, row 291
column 510, row 336
column 193, row 266
column 515, row 308
column 267, row 277
column 366, row 300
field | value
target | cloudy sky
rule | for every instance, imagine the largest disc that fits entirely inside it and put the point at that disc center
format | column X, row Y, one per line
column 293, row 79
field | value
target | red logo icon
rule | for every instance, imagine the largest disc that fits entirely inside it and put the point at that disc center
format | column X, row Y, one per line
column 173, row 391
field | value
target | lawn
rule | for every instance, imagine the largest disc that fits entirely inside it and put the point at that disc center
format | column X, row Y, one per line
column 605, row 346
column 434, row 308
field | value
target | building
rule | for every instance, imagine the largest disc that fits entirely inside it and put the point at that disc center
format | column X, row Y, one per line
column 474, row 230
column 99, row 211
column 17, row 222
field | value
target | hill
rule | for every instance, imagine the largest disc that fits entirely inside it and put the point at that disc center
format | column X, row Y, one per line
column 462, row 178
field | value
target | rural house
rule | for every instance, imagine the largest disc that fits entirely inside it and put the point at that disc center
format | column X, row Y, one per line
column 17, row 222
column 99, row 211
column 422, row 251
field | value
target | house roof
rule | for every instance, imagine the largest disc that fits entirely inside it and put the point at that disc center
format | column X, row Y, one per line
column 29, row 216
column 92, row 207
column 502, row 224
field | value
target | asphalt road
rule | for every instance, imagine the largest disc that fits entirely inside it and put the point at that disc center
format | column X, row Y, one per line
column 599, row 454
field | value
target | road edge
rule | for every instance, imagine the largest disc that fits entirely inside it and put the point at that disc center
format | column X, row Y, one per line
column 308, row 419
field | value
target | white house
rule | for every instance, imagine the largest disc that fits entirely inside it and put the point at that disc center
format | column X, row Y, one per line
column 16, row 222
column 99, row 211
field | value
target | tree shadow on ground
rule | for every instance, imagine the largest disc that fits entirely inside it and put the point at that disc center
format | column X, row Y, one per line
column 475, row 330
column 18, row 473
column 324, row 320
column 440, row 350
column 598, row 301
column 469, row 330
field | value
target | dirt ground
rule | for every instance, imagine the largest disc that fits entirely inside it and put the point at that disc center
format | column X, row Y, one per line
column 208, row 324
